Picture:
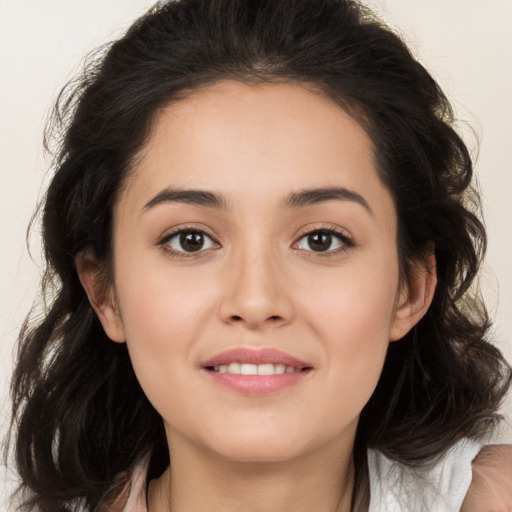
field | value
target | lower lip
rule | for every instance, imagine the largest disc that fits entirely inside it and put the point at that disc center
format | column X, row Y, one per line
column 257, row 385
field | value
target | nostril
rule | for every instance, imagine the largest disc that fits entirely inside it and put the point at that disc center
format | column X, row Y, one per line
column 274, row 319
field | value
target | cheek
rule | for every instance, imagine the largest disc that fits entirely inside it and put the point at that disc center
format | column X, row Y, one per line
column 354, row 305
column 352, row 313
column 162, row 313
column 161, row 324
column 159, row 299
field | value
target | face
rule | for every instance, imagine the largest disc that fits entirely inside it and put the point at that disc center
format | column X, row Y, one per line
column 286, row 263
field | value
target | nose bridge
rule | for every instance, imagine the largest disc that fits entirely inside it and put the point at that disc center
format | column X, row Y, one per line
column 255, row 295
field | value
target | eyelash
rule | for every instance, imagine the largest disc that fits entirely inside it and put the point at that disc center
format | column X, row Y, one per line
column 347, row 242
column 163, row 243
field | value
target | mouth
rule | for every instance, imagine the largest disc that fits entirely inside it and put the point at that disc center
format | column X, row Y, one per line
column 256, row 371
column 255, row 361
column 236, row 368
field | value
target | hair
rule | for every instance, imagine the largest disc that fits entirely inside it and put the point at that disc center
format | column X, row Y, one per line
column 81, row 422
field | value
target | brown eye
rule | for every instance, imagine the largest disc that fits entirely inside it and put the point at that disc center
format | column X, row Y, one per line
column 320, row 241
column 189, row 241
column 324, row 241
column 192, row 241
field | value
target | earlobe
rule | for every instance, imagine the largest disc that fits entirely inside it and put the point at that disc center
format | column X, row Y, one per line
column 101, row 297
column 415, row 297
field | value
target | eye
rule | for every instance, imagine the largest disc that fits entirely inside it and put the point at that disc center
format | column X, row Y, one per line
column 325, row 240
column 186, row 241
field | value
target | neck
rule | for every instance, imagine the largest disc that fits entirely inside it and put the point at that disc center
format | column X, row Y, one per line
column 322, row 481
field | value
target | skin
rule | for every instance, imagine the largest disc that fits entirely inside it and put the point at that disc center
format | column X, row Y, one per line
column 491, row 487
column 257, row 283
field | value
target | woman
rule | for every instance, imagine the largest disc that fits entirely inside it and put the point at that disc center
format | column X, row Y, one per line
column 262, row 238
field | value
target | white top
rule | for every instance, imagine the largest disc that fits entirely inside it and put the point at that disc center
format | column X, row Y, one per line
column 440, row 487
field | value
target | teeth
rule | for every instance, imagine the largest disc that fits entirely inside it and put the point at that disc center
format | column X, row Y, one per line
column 254, row 369
column 233, row 368
column 248, row 369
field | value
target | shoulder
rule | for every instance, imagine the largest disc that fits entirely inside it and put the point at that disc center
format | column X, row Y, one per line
column 439, row 485
column 466, row 478
column 491, row 485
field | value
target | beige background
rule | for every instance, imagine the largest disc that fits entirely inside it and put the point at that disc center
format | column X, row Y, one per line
column 467, row 44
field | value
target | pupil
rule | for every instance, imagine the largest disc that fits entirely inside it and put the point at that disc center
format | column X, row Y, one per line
column 191, row 241
column 320, row 241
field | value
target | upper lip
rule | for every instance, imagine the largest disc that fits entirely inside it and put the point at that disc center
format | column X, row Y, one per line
column 255, row 356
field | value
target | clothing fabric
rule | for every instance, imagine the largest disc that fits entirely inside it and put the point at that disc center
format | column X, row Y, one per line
column 137, row 499
column 440, row 487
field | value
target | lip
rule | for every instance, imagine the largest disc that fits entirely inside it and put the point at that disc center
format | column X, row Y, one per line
column 255, row 356
column 256, row 385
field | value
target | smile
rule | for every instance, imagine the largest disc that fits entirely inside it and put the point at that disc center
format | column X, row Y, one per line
column 254, row 369
column 256, row 372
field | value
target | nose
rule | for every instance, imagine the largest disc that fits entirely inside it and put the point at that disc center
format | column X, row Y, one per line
column 255, row 292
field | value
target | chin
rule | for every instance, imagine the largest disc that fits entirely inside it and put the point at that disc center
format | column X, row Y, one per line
column 260, row 453
column 271, row 445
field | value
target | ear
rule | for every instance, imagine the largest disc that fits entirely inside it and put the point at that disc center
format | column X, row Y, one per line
column 101, row 297
column 415, row 297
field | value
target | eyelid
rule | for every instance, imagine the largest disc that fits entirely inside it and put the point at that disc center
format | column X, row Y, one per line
column 163, row 242
column 346, row 240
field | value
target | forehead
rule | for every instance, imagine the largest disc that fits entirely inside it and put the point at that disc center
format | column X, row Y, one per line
column 259, row 141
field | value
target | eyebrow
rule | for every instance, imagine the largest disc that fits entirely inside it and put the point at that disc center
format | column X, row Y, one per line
column 300, row 199
column 191, row 196
column 309, row 197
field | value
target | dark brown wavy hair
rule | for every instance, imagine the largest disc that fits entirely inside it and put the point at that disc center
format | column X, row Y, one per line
column 80, row 419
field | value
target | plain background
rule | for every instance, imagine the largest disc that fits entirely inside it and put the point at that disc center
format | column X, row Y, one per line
column 466, row 44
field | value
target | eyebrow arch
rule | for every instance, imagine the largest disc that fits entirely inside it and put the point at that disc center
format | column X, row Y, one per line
column 300, row 199
column 311, row 196
column 193, row 196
